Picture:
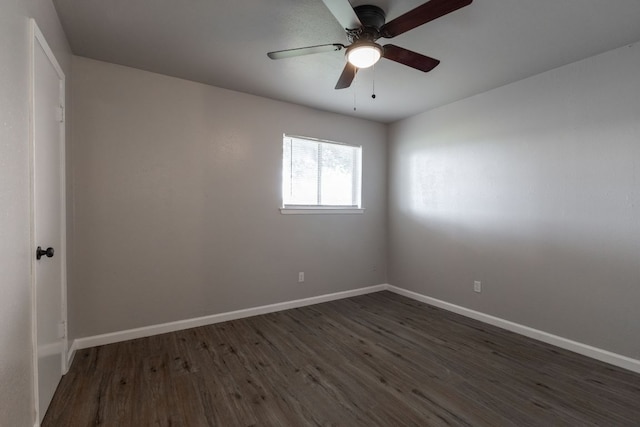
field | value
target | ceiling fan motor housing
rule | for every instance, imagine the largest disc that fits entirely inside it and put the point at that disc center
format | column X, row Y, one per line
column 372, row 19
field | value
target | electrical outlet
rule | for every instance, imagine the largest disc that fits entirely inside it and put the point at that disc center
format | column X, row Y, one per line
column 477, row 286
column 301, row 277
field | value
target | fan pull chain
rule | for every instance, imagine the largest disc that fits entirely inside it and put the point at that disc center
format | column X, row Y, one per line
column 373, row 91
column 353, row 85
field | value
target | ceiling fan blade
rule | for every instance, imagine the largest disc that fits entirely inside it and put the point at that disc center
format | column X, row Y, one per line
column 409, row 58
column 347, row 76
column 421, row 15
column 344, row 13
column 290, row 53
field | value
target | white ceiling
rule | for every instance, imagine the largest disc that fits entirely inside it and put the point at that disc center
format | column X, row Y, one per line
column 224, row 43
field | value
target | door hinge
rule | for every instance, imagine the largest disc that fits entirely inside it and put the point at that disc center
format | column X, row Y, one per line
column 61, row 114
column 62, row 329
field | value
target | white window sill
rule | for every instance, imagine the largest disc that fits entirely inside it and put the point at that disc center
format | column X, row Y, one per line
column 321, row 211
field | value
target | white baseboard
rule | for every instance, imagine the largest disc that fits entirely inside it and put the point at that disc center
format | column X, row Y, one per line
column 567, row 344
column 147, row 331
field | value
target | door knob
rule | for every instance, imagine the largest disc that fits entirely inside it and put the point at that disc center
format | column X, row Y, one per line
column 48, row 252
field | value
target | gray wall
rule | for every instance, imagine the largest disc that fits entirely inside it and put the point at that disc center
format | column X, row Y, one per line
column 16, row 370
column 176, row 197
column 534, row 189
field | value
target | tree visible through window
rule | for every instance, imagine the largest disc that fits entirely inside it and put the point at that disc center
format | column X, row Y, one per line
column 320, row 173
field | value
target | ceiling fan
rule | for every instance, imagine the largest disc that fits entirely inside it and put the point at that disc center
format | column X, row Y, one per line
column 364, row 25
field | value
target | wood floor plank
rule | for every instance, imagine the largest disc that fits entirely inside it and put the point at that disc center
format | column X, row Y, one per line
column 444, row 371
column 374, row 360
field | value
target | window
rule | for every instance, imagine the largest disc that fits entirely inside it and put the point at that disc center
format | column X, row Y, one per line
column 320, row 176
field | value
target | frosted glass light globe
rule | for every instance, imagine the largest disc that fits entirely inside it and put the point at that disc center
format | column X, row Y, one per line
column 364, row 54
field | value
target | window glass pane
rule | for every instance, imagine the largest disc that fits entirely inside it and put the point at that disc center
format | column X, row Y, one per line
column 337, row 175
column 303, row 164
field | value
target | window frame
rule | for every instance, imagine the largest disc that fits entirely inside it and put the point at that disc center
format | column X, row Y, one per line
column 288, row 209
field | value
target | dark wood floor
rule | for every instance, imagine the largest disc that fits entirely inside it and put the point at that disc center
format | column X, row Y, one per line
column 374, row 360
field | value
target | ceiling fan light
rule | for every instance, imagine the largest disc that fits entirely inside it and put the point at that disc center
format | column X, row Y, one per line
column 364, row 55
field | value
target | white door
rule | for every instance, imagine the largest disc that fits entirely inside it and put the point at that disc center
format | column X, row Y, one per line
column 49, row 273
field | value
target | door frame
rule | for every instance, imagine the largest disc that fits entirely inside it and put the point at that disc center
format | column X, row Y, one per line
column 37, row 39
